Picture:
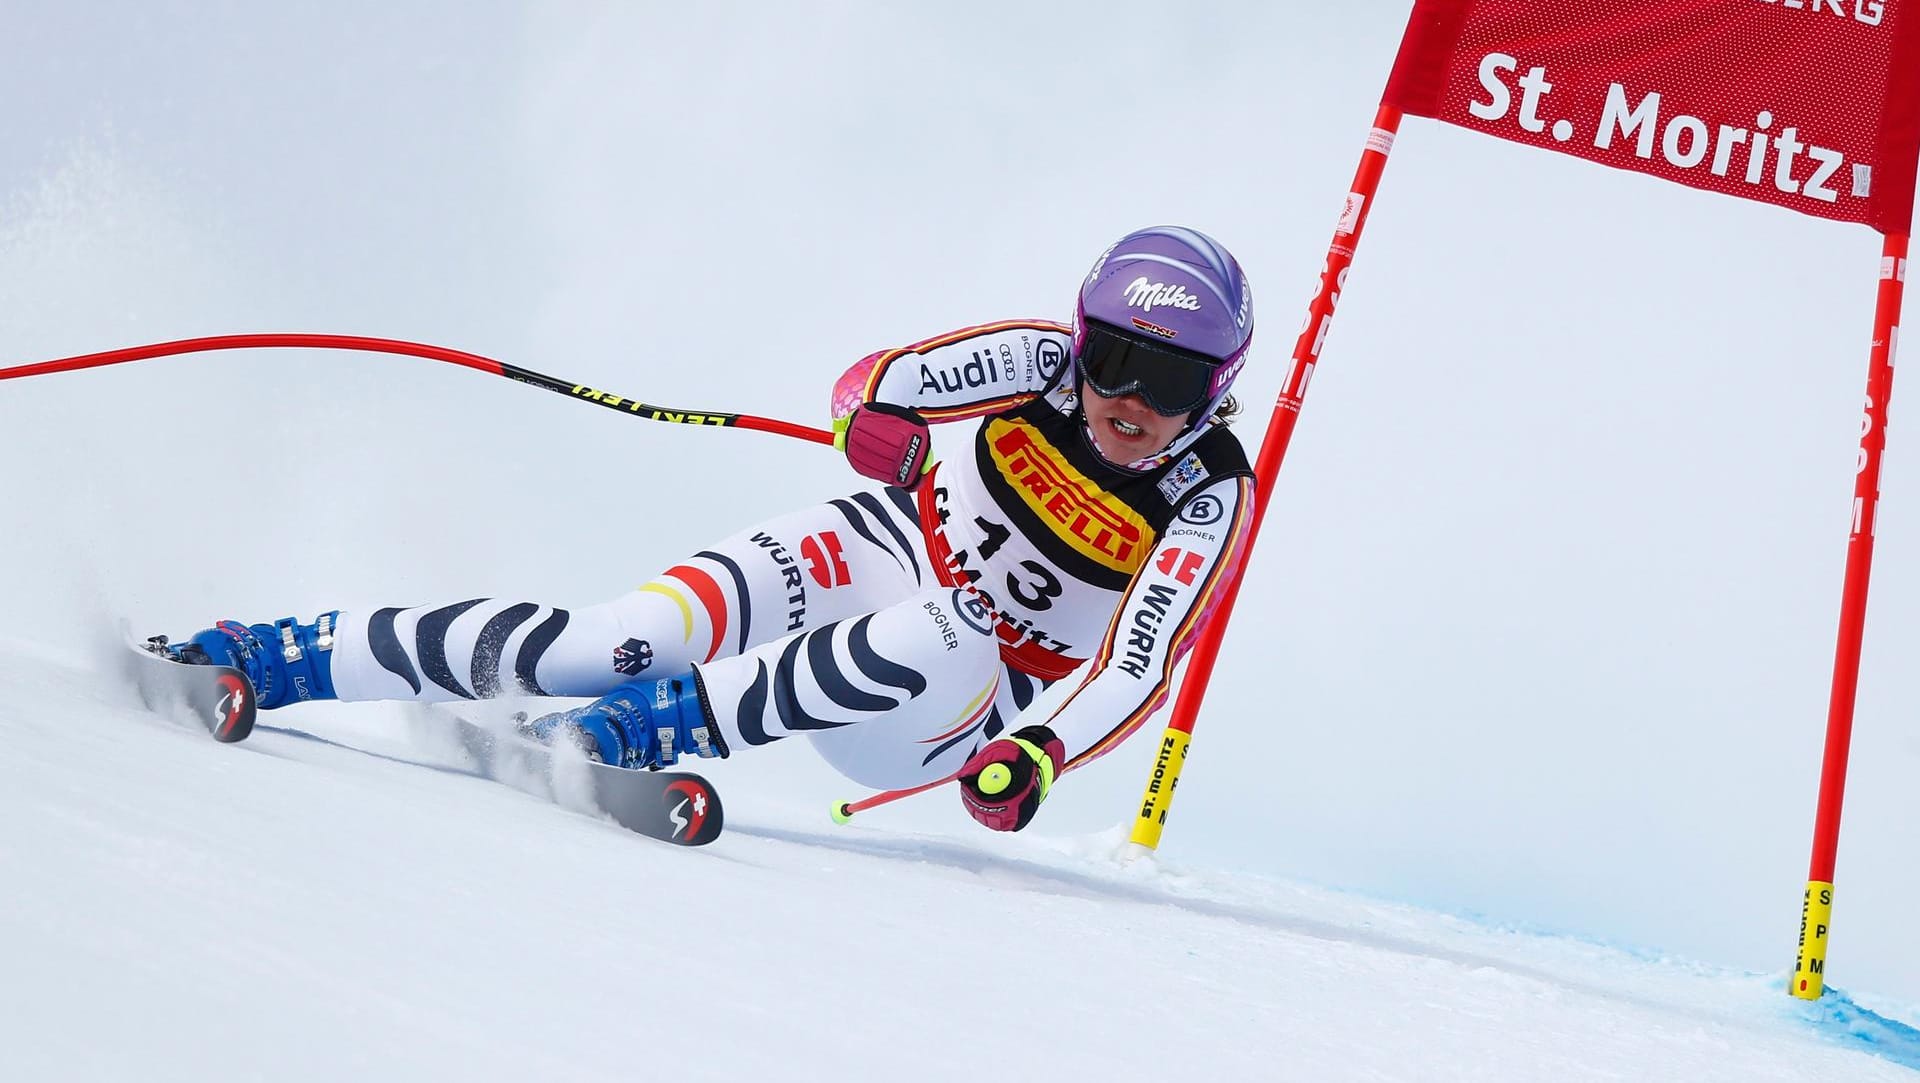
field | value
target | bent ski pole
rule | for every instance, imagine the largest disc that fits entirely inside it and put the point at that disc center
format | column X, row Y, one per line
column 432, row 353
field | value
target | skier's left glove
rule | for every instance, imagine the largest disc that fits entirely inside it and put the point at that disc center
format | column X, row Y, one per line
column 886, row 443
column 1003, row 784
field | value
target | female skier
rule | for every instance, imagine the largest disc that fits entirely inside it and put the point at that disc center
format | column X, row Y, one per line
column 1103, row 509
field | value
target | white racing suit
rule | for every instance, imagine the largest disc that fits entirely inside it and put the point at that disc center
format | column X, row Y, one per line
column 898, row 630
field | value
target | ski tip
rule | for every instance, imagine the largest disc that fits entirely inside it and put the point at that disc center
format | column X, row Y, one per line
column 219, row 697
column 841, row 813
column 693, row 815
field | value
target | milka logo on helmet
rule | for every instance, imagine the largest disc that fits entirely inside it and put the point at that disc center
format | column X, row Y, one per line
column 1151, row 295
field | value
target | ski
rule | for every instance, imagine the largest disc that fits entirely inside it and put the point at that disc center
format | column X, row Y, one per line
column 677, row 807
column 218, row 697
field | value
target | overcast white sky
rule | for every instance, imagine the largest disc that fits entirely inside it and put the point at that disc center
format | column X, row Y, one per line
column 1541, row 623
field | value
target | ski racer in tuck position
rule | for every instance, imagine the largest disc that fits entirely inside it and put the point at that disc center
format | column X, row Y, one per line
column 1099, row 517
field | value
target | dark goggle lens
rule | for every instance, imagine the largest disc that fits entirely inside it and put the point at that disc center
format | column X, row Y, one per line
column 1171, row 380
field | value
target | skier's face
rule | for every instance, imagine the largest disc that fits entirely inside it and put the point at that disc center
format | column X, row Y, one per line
column 1125, row 428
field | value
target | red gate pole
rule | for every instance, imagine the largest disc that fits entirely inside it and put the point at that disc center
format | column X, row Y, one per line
column 1816, row 906
column 1273, row 448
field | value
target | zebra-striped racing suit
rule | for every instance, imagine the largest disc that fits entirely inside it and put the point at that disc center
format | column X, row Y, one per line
column 899, row 630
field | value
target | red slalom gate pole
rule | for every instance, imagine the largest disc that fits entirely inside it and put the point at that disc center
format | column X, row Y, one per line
column 1816, row 905
column 1172, row 755
column 474, row 361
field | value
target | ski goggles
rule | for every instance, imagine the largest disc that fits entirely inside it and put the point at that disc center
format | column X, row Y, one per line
column 1172, row 381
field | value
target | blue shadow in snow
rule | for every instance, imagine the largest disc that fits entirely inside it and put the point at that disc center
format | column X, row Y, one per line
column 1839, row 1020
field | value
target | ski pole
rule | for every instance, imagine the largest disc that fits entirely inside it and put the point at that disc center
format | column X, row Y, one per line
column 432, row 353
column 843, row 811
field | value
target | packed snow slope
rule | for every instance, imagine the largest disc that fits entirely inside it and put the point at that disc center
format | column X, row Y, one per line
column 337, row 898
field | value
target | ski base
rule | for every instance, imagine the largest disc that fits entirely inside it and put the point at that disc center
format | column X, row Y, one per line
column 677, row 807
column 219, row 697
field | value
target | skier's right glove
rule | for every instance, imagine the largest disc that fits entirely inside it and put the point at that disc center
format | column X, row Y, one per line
column 886, row 443
column 1003, row 784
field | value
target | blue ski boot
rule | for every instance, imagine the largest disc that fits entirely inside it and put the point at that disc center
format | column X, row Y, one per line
column 648, row 723
column 286, row 661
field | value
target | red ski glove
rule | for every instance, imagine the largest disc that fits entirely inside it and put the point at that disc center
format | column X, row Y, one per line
column 886, row 443
column 1003, row 784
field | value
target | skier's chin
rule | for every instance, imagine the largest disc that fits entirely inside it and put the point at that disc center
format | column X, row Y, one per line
column 1120, row 457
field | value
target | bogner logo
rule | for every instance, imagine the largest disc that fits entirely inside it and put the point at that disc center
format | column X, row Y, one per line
column 1093, row 522
column 1148, row 296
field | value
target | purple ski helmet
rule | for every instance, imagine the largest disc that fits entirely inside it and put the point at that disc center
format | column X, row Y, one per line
column 1166, row 314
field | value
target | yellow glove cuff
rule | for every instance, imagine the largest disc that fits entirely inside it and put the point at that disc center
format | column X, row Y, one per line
column 1044, row 761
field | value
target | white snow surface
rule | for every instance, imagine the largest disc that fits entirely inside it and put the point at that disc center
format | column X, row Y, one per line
column 335, row 898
